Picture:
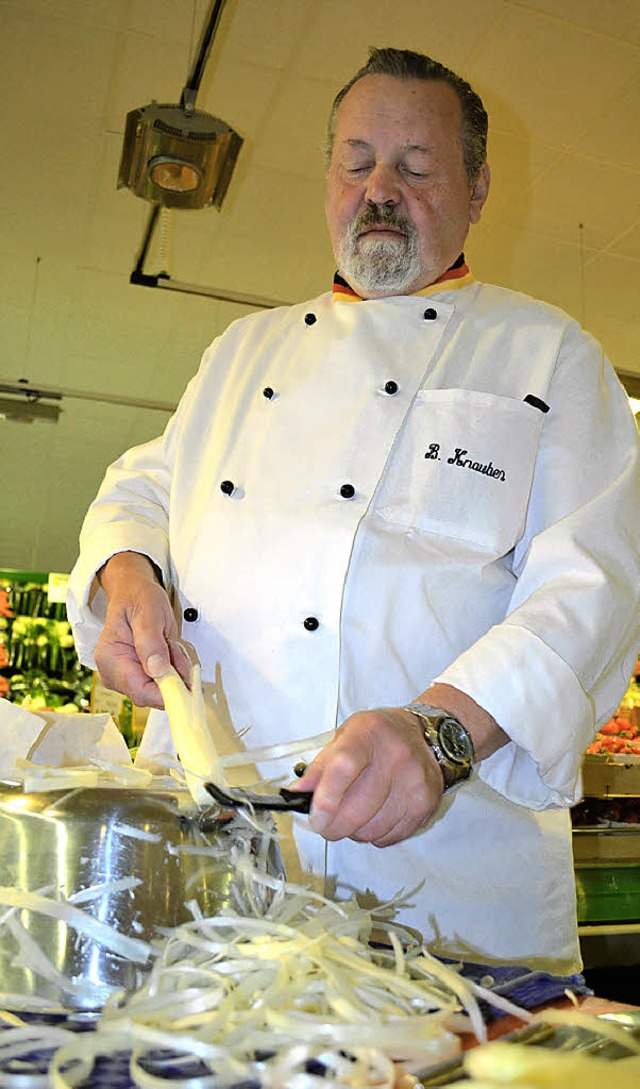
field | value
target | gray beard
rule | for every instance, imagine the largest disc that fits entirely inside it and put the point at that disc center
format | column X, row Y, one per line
column 380, row 264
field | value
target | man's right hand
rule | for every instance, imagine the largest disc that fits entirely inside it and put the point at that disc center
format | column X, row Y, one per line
column 139, row 638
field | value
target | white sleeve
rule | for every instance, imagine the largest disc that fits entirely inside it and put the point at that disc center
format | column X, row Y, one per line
column 129, row 514
column 558, row 664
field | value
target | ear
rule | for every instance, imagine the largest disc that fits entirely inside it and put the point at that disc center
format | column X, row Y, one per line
column 479, row 193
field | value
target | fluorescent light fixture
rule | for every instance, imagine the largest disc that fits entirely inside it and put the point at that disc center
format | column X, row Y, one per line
column 25, row 411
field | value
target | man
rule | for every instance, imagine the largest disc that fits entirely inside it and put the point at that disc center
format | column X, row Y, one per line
column 417, row 490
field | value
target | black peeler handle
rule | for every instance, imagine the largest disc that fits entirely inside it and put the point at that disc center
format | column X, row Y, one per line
column 292, row 801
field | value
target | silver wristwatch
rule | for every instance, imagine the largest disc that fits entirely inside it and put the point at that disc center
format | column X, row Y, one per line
column 449, row 741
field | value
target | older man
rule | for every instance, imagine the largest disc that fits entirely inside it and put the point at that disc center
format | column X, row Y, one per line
column 414, row 495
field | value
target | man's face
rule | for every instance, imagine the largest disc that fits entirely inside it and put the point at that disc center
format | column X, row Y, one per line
column 399, row 203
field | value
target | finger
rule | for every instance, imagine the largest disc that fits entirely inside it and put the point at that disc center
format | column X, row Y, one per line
column 153, row 654
column 144, row 692
column 124, row 674
column 152, row 626
column 180, row 660
column 365, row 800
column 332, row 815
column 311, row 776
column 157, row 664
column 387, row 832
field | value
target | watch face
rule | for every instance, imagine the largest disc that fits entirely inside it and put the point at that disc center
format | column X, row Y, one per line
column 455, row 741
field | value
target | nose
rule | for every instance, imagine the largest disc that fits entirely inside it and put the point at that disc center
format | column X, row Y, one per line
column 382, row 186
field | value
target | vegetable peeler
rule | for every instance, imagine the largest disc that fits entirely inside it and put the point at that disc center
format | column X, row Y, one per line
column 291, row 801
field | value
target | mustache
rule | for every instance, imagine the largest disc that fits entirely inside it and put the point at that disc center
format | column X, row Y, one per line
column 375, row 215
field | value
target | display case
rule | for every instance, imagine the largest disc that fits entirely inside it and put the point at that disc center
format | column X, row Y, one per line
column 606, row 841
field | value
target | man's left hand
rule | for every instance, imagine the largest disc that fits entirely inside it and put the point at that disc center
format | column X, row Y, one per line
column 376, row 782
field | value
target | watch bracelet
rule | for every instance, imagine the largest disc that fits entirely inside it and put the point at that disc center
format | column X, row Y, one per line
column 450, row 773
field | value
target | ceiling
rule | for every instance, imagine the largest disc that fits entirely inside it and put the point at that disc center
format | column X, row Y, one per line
column 560, row 79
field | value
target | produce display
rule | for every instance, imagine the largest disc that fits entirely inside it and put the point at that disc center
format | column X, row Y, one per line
column 621, row 734
column 38, row 661
column 618, row 735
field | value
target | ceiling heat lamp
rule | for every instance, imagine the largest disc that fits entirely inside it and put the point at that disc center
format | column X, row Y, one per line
column 180, row 157
column 175, row 155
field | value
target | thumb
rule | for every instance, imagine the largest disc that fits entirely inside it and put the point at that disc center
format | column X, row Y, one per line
column 310, row 778
column 157, row 663
column 151, row 629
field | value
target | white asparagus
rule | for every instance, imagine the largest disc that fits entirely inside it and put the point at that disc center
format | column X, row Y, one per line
column 107, row 936
column 187, row 719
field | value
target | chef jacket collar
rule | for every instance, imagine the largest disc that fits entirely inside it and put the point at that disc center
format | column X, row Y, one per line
column 456, row 276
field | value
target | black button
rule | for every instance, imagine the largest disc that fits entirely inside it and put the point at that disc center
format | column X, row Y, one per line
column 267, row 392
column 311, row 623
column 430, row 314
column 190, row 615
column 347, row 491
column 310, row 319
column 391, row 387
column 227, row 487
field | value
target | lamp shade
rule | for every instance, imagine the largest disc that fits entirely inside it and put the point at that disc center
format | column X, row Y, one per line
column 176, row 157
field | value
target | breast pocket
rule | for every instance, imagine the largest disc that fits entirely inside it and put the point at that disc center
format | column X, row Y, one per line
column 462, row 467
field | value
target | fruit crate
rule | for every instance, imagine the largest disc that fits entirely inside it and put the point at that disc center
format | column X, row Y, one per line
column 611, row 776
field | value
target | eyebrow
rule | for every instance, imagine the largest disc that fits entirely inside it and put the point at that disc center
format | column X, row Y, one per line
column 365, row 146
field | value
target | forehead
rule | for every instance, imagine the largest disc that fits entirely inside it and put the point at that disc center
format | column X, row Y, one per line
column 412, row 110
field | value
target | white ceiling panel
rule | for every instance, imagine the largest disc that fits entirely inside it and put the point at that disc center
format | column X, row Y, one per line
column 603, row 197
column 554, row 77
column 617, row 19
column 337, row 39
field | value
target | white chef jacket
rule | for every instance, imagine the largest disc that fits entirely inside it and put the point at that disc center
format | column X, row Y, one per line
column 490, row 544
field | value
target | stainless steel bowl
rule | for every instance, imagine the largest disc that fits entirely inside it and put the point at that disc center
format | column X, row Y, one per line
column 61, row 843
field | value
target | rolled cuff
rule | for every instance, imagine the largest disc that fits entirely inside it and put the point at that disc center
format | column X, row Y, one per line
column 539, row 702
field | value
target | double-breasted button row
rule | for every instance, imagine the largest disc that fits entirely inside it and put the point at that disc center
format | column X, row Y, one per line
column 391, row 387
column 430, row 314
column 311, row 623
column 347, row 491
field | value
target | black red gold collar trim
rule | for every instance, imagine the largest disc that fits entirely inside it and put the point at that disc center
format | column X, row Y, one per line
column 455, row 277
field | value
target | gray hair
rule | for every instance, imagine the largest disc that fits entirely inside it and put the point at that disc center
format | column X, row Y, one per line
column 405, row 64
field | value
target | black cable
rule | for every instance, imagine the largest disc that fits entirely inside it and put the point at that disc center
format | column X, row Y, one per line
column 195, row 77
